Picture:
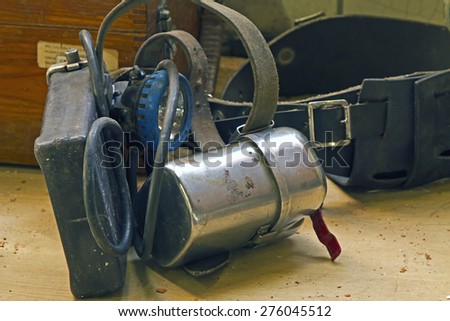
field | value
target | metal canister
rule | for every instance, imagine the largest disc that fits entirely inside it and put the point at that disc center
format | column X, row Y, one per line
column 252, row 192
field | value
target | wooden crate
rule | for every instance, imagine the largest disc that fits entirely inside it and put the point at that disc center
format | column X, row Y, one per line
column 23, row 23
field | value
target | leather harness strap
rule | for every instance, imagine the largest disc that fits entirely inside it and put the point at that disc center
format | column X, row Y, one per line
column 384, row 133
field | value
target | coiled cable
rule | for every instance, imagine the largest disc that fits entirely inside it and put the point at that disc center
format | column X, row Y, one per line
column 111, row 223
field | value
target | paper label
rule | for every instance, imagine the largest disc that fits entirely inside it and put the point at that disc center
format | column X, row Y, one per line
column 50, row 53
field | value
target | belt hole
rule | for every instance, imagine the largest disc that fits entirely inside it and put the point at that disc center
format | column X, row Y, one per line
column 390, row 175
column 445, row 153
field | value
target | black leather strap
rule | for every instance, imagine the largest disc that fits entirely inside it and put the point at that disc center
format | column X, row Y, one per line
column 431, row 129
column 400, row 126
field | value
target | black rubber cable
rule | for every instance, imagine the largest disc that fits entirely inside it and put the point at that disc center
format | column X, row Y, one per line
column 110, row 18
column 144, row 244
column 93, row 179
column 96, row 74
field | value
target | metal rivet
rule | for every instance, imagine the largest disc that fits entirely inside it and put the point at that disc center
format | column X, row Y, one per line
column 286, row 56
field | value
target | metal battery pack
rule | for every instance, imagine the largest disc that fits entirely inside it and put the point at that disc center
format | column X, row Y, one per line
column 69, row 113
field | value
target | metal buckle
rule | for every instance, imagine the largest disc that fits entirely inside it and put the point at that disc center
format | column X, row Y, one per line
column 346, row 121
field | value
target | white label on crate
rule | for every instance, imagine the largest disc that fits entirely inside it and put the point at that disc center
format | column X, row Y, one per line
column 50, row 53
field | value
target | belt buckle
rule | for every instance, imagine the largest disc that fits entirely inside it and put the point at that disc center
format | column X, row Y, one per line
column 346, row 121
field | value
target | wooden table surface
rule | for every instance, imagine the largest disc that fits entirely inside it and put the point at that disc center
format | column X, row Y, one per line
column 395, row 247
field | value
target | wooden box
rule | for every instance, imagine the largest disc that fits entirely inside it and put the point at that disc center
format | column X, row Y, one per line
column 25, row 23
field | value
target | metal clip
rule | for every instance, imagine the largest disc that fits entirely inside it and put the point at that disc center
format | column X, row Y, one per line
column 73, row 63
column 346, row 121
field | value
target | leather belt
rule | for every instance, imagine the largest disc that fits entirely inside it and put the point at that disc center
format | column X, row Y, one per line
column 384, row 133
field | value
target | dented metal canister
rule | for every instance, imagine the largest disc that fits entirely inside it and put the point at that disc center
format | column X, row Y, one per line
column 252, row 192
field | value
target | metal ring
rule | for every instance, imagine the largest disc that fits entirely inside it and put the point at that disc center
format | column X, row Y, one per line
column 95, row 176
